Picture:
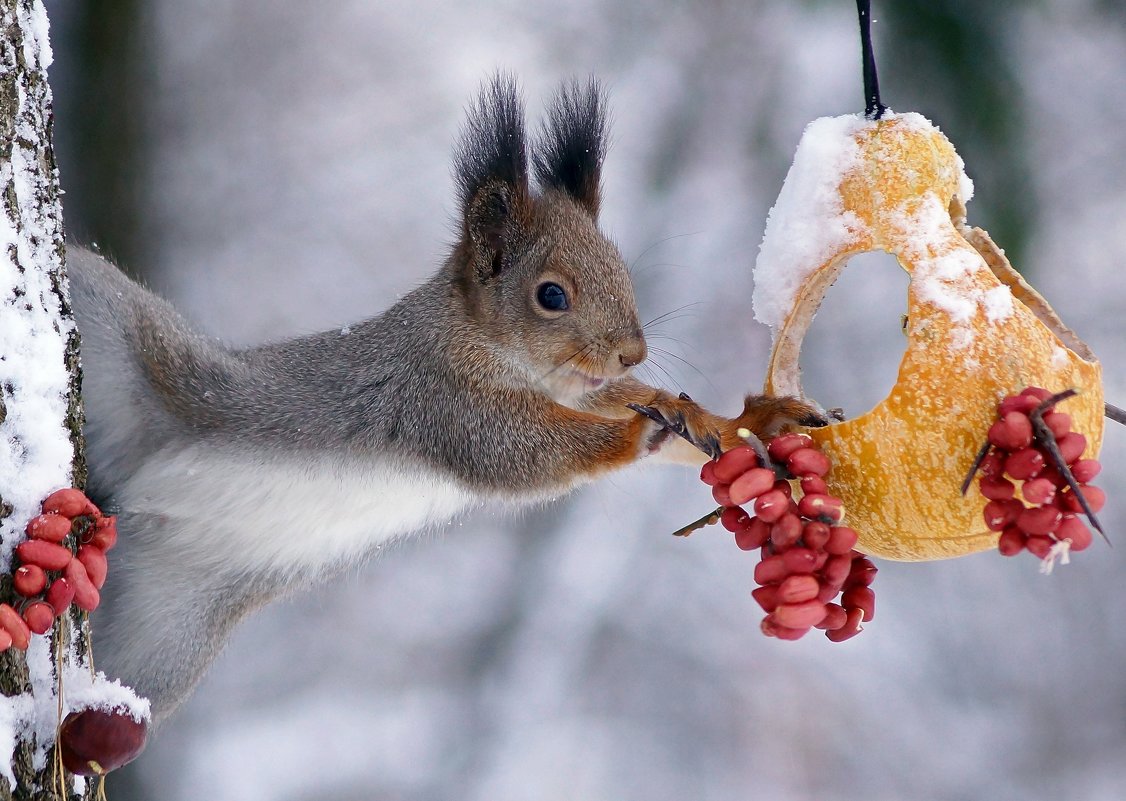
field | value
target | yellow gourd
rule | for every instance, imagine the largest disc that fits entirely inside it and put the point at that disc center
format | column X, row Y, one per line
column 976, row 332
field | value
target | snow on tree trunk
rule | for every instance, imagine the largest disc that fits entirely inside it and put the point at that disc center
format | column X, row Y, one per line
column 40, row 415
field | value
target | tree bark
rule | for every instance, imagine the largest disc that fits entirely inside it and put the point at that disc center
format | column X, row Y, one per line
column 33, row 299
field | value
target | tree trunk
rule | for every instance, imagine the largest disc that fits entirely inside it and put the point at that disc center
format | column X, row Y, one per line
column 40, row 412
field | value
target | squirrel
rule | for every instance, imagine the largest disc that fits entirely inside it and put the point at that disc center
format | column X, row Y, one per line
column 239, row 474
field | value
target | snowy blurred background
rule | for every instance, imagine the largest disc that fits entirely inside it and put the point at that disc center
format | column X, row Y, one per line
column 277, row 168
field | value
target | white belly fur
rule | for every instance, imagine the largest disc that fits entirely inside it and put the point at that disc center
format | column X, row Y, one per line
column 268, row 511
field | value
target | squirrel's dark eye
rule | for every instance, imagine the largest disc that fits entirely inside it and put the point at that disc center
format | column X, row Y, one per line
column 552, row 297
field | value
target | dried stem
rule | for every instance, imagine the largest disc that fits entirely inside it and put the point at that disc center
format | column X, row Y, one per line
column 981, row 454
column 710, row 519
column 1047, row 440
column 1115, row 414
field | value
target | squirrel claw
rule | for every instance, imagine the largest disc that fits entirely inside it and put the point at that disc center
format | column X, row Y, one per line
column 814, row 420
column 676, row 423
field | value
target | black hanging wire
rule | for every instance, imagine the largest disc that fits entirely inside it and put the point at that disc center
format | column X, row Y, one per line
column 873, row 108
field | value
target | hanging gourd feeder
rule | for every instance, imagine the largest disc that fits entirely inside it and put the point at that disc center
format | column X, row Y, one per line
column 976, row 331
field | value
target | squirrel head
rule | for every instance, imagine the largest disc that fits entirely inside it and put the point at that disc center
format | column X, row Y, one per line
column 550, row 291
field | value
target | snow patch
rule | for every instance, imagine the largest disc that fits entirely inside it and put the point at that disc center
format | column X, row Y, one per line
column 39, row 27
column 808, row 222
column 943, row 280
column 85, row 690
column 998, row 304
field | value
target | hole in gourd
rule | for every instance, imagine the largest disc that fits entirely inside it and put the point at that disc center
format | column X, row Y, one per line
column 850, row 356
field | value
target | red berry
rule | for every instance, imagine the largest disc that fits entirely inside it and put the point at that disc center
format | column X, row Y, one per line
column 842, row 540
column 1039, row 520
column 799, row 560
column 5, row 640
column 1072, row 528
column 1012, row 432
column 1017, row 403
column 1039, row 393
column 39, row 617
column 1085, row 470
column 1072, row 446
column 862, row 598
column 803, row 615
column 720, row 492
column 1059, row 423
column 12, row 623
column 60, row 595
column 1039, row 545
column 1038, row 491
column 835, row 617
column 770, row 570
column 781, row 447
column 795, row 589
column 999, row 514
column 861, row 572
column 1096, row 499
column 825, row 508
column 997, row 488
column 785, row 532
column 46, row 555
column 733, row 518
column 815, row 535
column 836, row 570
column 753, row 536
column 766, row 597
column 1025, row 463
column 50, row 527
column 734, row 463
column 853, row 618
column 94, row 560
column 29, row 580
column 771, row 629
column 86, row 595
column 1053, row 475
column 770, row 506
column 105, row 533
column 814, row 485
column 751, row 484
column 993, row 464
column 69, row 502
column 94, row 741
column 707, row 474
column 807, row 462
column 1011, row 542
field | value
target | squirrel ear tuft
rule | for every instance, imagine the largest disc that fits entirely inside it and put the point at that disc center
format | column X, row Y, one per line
column 572, row 144
column 491, row 168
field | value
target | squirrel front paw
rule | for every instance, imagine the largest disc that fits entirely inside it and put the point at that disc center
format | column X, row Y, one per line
column 685, row 418
column 764, row 415
column 767, row 415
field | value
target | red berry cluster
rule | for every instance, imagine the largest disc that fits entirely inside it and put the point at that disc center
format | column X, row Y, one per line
column 1045, row 518
column 51, row 575
column 807, row 557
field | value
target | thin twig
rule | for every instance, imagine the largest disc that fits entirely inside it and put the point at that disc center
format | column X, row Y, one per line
column 1115, row 414
column 710, row 519
column 1047, row 440
column 981, row 454
column 754, row 443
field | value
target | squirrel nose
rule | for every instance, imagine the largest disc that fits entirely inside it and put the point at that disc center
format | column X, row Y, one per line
column 632, row 353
